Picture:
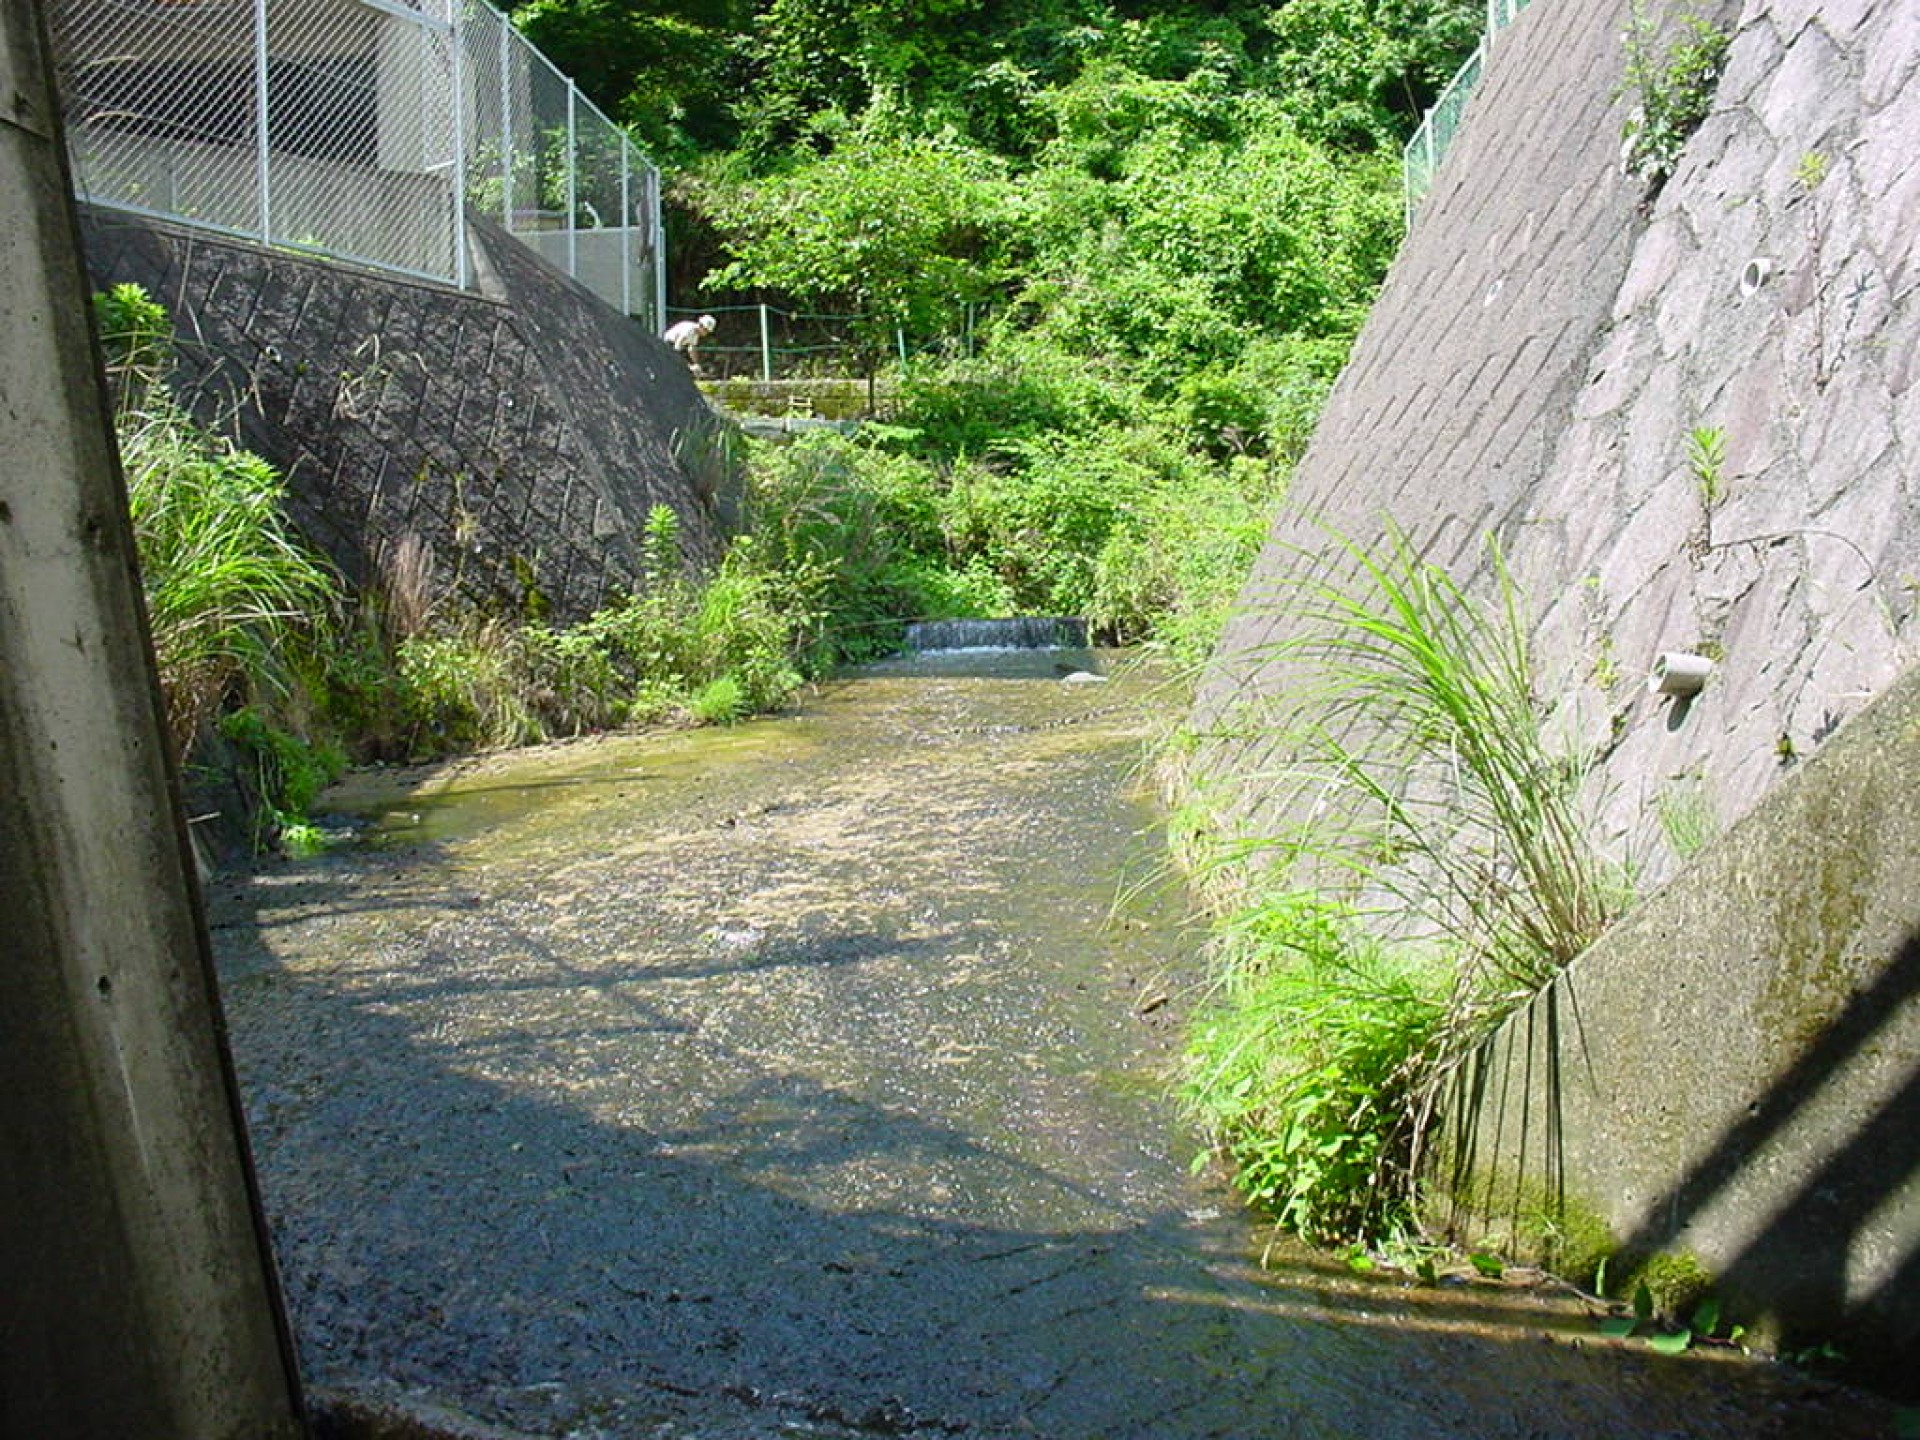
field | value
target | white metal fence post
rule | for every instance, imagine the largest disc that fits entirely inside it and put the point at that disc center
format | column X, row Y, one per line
column 573, row 181
column 657, row 249
column 457, row 39
column 626, row 228
column 766, row 345
column 262, row 140
column 506, row 122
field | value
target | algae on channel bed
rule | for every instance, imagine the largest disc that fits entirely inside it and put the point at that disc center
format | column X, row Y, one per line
column 812, row 1072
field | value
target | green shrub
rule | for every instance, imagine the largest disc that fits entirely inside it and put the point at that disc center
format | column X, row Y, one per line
column 1672, row 87
column 1040, row 516
column 840, row 521
column 1304, row 1067
column 233, row 596
column 464, row 690
column 1023, row 389
column 1176, row 574
column 1412, row 790
column 571, row 680
column 718, row 702
column 288, row 774
column 745, row 631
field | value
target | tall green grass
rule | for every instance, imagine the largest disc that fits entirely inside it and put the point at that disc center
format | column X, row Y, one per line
column 1305, row 1061
column 232, row 595
column 255, row 632
column 1430, row 867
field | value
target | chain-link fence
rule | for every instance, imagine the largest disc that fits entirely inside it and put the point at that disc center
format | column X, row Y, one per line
column 1422, row 155
column 367, row 130
column 764, row 342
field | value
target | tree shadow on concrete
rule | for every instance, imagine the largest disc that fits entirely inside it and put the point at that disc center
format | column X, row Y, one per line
column 612, row 1249
column 1834, row 1226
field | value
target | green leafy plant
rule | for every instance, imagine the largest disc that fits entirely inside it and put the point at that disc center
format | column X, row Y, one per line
column 1665, row 1336
column 1671, row 85
column 1706, row 461
column 232, row 594
column 1424, row 804
column 1301, row 1067
column 287, row 774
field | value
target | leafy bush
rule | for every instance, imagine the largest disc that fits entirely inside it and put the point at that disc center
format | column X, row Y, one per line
column 1176, row 574
column 884, row 227
column 462, row 690
column 850, row 527
column 1304, row 1070
column 1672, row 88
column 232, row 595
column 1021, row 391
column 1416, row 794
column 288, row 773
column 1041, row 515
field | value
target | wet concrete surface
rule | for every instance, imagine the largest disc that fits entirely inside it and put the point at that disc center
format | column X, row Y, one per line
column 810, row 1078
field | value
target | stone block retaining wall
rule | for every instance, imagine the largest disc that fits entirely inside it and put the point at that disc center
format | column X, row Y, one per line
column 521, row 433
column 1550, row 336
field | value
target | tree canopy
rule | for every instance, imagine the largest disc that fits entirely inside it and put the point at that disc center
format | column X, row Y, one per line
column 1162, row 223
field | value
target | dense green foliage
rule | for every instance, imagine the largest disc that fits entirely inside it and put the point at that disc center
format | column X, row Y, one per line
column 231, row 594
column 1128, row 247
column 1438, row 867
column 1306, row 1063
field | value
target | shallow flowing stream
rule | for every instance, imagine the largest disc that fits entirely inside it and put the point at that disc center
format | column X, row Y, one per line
column 810, row 1078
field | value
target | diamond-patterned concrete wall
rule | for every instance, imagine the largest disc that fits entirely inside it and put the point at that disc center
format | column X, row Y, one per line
column 1551, row 334
column 522, row 433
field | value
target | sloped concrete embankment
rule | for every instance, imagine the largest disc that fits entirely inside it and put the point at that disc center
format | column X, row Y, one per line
column 522, row 432
column 1733, row 1073
column 1552, row 334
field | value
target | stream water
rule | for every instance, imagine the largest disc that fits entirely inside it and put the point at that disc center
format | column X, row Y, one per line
column 810, row 1078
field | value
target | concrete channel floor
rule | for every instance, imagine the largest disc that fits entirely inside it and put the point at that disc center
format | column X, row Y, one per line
column 811, row 1078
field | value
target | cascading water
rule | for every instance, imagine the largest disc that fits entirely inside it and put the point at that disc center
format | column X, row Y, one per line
column 1019, row 632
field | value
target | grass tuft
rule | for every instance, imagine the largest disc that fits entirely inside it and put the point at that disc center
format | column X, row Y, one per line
column 1433, row 871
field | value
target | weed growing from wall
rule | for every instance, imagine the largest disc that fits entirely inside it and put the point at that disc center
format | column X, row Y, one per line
column 1671, row 85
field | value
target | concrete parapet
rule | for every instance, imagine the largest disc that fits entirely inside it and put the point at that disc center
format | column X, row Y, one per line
column 1733, row 1072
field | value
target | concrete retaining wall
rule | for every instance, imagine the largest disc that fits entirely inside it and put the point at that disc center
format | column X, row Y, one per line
column 1737, row 1068
column 1553, row 331
column 522, row 433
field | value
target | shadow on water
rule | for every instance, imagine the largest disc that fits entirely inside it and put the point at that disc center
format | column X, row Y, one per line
column 676, row 1137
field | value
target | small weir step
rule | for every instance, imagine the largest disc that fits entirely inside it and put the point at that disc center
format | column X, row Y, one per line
column 1020, row 632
